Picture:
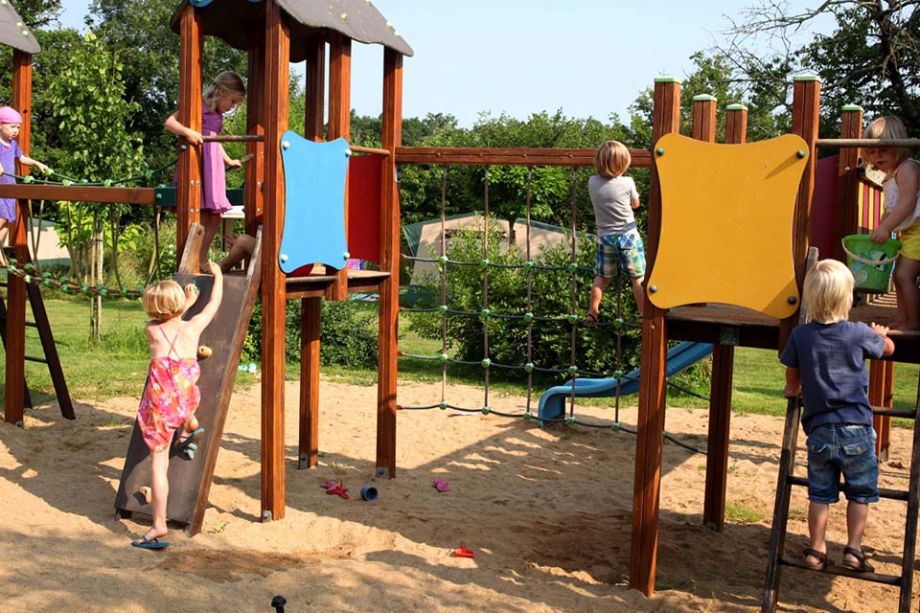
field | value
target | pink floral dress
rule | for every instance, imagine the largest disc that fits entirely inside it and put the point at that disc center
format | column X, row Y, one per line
column 170, row 398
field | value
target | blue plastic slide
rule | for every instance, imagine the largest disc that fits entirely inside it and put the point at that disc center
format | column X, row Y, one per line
column 552, row 402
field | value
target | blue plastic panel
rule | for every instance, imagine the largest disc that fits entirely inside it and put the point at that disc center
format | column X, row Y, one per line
column 314, row 219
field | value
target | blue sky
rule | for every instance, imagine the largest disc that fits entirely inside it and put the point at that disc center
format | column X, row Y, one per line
column 587, row 57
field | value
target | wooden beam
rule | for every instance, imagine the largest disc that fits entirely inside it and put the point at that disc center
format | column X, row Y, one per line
column 254, row 196
column 14, row 401
column 340, row 127
column 806, row 97
column 851, row 126
column 315, row 89
column 881, row 394
column 277, row 56
column 109, row 195
column 391, row 137
column 534, row 156
column 308, row 431
column 650, row 421
column 188, row 173
column 311, row 308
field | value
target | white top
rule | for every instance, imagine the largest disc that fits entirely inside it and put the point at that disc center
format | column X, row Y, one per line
column 890, row 189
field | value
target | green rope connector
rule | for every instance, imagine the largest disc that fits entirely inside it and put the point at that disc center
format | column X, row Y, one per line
column 27, row 278
column 442, row 260
column 67, row 183
column 28, row 179
column 528, row 367
column 484, row 263
column 443, row 308
column 615, row 426
column 443, row 358
column 486, row 362
column 148, row 174
column 442, row 405
column 618, row 323
column 618, row 374
column 528, row 265
column 528, row 416
column 485, row 313
column 28, row 266
column 107, row 183
column 570, row 420
column 486, row 410
column 529, row 317
column 573, row 318
column 573, row 369
column 573, row 266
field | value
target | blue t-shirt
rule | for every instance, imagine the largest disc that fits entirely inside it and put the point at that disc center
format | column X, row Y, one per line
column 832, row 361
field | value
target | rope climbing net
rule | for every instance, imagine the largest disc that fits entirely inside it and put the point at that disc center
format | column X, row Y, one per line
column 526, row 316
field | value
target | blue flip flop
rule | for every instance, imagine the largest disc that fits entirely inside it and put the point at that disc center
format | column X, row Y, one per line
column 145, row 543
column 189, row 445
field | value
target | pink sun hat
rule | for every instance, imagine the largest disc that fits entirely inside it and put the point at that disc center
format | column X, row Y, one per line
column 9, row 115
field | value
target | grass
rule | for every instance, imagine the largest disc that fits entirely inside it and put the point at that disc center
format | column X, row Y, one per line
column 117, row 365
column 739, row 512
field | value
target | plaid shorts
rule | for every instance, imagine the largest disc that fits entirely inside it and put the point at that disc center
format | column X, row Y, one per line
column 624, row 251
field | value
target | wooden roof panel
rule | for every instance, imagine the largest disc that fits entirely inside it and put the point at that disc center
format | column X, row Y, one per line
column 237, row 22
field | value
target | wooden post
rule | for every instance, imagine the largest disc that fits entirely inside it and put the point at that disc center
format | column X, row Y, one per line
column 851, row 126
column 391, row 138
column 340, row 127
column 277, row 59
column 311, row 308
column 14, row 402
column 254, row 197
column 650, row 421
column 188, row 174
column 723, row 356
column 881, row 394
column 806, row 98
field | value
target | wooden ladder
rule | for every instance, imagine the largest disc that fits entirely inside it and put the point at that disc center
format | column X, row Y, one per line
column 776, row 560
column 51, row 359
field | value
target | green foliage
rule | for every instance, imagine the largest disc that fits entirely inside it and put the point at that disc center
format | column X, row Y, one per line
column 552, row 295
column 348, row 334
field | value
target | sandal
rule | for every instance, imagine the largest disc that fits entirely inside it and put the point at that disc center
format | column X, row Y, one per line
column 860, row 566
column 589, row 320
column 820, row 556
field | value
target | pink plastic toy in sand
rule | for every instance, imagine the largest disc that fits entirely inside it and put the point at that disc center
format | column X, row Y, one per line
column 441, row 485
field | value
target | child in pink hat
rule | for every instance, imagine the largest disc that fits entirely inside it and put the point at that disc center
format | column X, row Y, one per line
column 10, row 123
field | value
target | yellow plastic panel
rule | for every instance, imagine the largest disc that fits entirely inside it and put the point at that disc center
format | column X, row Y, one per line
column 726, row 223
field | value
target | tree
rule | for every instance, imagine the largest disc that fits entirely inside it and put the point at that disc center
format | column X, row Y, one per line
column 88, row 108
column 869, row 57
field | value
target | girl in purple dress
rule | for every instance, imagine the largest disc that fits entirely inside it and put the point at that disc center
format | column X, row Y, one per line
column 10, row 123
column 224, row 93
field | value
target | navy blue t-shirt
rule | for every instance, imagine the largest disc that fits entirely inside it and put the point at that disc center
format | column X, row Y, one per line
column 832, row 362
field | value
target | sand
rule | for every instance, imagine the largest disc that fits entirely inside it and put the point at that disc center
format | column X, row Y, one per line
column 546, row 511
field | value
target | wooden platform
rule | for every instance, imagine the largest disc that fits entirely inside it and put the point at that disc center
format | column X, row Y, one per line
column 730, row 325
column 316, row 284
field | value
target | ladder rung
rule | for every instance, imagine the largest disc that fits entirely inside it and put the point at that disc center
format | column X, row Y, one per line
column 31, row 324
column 30, row 358
column 905, row 413
column 883, row 492
column 846, row 572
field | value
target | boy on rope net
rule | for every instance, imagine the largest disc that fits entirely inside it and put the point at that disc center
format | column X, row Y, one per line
column 825, row 361
column 619, row 245
column 171, row 395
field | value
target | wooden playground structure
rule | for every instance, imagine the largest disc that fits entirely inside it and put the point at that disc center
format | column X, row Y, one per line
column 276, row 33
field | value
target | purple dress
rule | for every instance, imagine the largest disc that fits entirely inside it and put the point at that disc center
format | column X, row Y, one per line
column 8, row 156
column 213, row 173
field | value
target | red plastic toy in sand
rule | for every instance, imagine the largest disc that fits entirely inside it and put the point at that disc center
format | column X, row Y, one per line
column 335, row 487
column 463, row 551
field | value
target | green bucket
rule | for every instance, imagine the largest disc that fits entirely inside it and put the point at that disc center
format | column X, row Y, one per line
column 870, row 263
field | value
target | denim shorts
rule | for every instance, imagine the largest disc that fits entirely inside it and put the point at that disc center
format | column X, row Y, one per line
column 620, row 250
column 842, row 448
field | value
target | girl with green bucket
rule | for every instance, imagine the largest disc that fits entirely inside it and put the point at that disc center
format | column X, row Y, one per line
column 902, row 209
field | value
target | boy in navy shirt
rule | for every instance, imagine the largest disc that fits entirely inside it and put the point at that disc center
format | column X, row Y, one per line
column 825, row 361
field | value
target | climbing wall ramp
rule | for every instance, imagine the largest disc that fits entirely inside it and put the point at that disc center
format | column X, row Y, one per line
column 190, row 480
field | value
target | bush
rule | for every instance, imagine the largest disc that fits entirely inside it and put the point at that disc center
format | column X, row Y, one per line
column 348, row 334
column 551, row 296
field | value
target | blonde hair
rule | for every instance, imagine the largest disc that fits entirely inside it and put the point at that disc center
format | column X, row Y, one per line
column 828, row 292
column 885, row 128
column 612, row 159
column 226, row 83
column 165, row 300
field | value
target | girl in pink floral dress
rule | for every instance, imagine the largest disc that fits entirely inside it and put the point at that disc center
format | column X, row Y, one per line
column 171, row 395
column 225, row 92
